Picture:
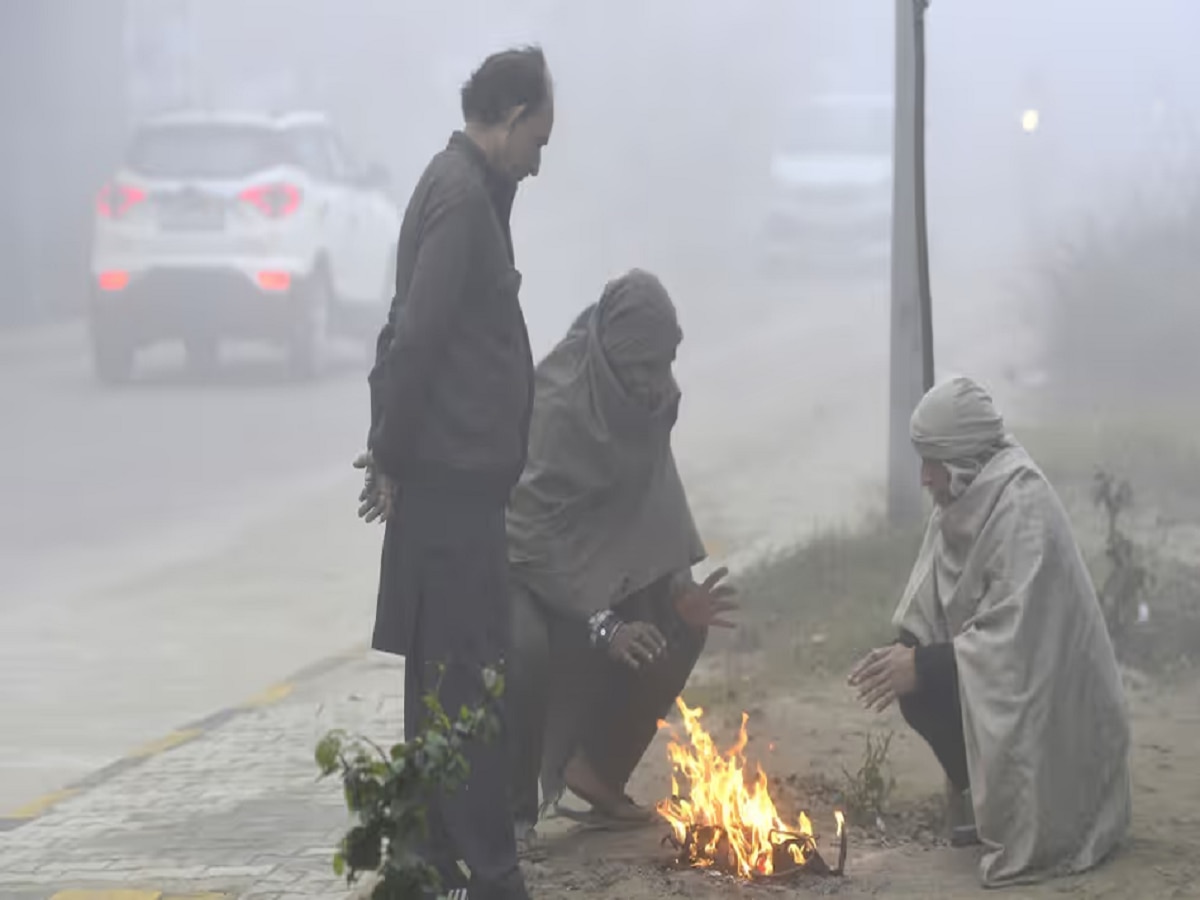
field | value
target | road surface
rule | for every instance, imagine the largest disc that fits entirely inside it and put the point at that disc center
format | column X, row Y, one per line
column 91, row 476
column 104, row 491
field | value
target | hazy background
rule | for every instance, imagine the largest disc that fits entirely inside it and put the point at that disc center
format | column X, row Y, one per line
column 174, row 546
column 667, row 110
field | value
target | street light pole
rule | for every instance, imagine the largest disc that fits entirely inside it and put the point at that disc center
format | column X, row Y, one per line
column 911, row 362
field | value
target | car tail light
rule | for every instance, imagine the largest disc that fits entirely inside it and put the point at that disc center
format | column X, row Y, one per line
column 274, row 281
column 113, row 280
column 275, row 201
column 115, row 200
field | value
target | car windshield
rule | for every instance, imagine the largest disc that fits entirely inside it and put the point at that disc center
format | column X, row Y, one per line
column 206, row 151
column 310, row 147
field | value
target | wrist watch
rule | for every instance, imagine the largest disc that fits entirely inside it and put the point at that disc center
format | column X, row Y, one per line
column 602, row 628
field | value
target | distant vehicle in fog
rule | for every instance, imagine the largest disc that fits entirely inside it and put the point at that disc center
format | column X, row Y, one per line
column 830, row 195
column 224, row 225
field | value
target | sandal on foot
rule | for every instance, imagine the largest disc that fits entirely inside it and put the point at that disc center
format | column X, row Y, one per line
column 628, row 816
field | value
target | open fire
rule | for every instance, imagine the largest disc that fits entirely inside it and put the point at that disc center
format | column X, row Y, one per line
column 727, row 820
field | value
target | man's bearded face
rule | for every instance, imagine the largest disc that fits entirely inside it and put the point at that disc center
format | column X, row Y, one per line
column 935, row 478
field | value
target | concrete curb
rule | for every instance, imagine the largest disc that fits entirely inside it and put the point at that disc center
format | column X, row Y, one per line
column 185, row 734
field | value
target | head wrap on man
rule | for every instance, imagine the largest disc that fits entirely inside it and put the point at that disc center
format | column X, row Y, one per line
column 600, row 511
column 957, row 424
column 636, row 321
column 1000, row 576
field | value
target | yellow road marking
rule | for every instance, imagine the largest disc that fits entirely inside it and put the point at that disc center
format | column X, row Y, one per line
column 107, row 895
column 273, row 694
column 35, row 808
column 134, row 895
column 174, row 739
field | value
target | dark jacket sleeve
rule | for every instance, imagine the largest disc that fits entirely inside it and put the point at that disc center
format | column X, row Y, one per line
column 419, row 326
column 936, row 668
column 382, row 344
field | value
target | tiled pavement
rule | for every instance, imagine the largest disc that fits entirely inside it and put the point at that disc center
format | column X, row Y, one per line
column 228, row 808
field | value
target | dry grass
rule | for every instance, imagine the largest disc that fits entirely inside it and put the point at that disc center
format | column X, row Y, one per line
column 815, row 608
column 1156, row 447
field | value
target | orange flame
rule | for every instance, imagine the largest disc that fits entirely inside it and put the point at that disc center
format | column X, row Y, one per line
column 728, row 816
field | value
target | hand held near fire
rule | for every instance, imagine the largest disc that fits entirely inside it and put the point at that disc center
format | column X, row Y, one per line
column 630, row 643
column 884, row 675
column 636, row 644
column 704, row 605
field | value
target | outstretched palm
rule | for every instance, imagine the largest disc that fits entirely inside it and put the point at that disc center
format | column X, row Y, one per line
column 704, row 605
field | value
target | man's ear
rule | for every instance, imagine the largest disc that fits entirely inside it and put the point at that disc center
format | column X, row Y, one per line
column 515, row 114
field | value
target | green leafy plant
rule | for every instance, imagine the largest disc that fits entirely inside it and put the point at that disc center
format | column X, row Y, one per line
column 867, row 790
column 388, row 792
column 1129, row 578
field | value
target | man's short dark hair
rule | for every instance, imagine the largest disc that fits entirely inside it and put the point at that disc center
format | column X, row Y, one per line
column 505, row 80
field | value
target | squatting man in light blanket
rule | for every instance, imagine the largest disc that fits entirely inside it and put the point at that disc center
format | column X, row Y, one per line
column 1003, row 662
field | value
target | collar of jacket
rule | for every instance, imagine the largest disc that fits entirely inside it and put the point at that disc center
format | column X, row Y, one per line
column 501, row 188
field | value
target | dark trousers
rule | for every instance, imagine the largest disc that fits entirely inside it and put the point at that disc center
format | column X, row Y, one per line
column 453, row 570
column 933, row 710
column 566, row 697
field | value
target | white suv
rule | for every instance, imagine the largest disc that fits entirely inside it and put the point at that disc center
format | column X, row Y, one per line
column 227, row 225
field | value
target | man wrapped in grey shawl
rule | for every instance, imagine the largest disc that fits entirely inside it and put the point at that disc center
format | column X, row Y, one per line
column 607, row 620
column 1034, row 721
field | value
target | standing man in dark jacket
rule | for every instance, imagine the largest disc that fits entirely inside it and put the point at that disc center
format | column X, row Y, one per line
column 451, row 399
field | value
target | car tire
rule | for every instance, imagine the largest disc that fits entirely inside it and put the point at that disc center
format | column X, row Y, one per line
column 112, row 359
column 308, row 344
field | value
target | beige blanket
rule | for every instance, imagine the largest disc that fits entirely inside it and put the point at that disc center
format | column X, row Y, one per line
column 1044, row 717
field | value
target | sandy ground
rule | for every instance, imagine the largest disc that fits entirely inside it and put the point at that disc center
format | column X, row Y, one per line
column 816, row 729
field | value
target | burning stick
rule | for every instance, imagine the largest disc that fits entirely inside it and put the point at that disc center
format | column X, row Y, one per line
column 841, row 823
column 728, row 821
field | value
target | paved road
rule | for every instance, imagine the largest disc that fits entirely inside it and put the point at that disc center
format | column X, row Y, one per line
column 115, row 502
column 90, row 475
